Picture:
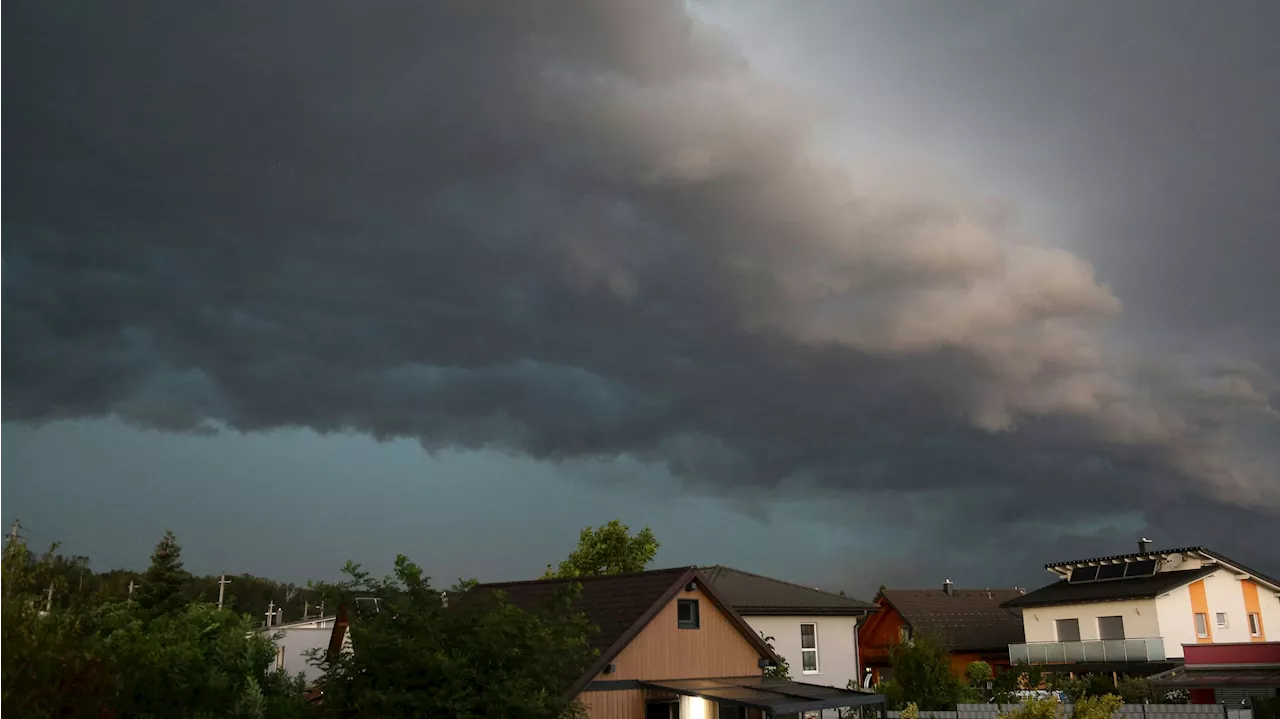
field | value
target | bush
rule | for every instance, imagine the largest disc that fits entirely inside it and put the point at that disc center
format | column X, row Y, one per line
column 1099, row 707
column 1034, row 708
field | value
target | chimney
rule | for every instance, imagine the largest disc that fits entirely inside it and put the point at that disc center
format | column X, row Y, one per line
column 948, row 588
column 1143, row 544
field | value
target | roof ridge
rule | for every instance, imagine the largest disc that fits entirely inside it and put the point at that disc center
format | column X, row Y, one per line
column 721, row 567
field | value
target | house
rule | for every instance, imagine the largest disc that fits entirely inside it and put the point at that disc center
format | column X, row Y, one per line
column 969, row 624
column 297, row 641
column 1134, row 613
column 670, row 645
column 1228, row 673
column 815, row 631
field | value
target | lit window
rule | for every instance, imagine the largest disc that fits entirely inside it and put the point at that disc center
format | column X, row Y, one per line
column 809, row 648
column 904, row 635
column 1255, row 625
column 1221, row 619
column 1202, row 625
column 687, row 614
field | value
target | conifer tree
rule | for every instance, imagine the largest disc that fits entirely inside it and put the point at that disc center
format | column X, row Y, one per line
column 164, row 580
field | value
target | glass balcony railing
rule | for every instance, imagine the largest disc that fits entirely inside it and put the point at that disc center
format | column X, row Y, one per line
column 1147, row 649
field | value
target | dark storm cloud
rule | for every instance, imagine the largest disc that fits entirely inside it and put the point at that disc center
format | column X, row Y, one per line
column 565, row 230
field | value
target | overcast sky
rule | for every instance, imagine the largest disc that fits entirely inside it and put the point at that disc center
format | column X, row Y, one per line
column 846, row 293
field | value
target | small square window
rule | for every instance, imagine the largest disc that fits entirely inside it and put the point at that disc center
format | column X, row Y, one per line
column 687, row 613
column 1221, row 619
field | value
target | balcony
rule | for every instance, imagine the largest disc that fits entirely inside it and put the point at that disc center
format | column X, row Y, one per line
column 1149, row 649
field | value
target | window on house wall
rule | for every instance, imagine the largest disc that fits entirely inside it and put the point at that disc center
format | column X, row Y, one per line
column 1255, row 625
column 1202, row 625
column 1068, row 630
column 1221, row 619
column 809, row 648
column 687, row 614
column 280, row 658
column 904, row 634
column 1111, row 627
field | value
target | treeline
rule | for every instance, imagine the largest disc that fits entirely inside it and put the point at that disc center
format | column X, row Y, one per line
column 74, row 582
column 79, row 644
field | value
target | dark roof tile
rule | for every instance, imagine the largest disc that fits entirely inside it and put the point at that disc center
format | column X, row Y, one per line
column 752, row 594
column 612, row 602
column 965, row 620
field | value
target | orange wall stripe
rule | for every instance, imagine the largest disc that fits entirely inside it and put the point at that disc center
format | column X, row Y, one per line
column 1253, row 606
column 1200, row 605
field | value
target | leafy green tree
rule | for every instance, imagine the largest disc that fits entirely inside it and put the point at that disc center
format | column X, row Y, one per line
column 978, row 674
column 783, row 669
column 609, row 549
column 922, row 675
column 165, row 580
column 475, row 655
column 198, row 661
column 50, row 664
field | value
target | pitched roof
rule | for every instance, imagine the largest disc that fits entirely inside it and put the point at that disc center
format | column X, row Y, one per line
column 614, row 603
column 755, row 595
column 966, row 619
column 1063, row 592
column 621, row 605
column 1180, row 550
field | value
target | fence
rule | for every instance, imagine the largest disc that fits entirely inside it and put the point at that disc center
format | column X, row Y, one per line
column 1128, row 711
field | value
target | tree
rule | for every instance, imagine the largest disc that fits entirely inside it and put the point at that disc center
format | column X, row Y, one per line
column 922, row 675
column 609, row 549
column 978, row 674
column 782, row 670
column 476, row 655
column 165, row 580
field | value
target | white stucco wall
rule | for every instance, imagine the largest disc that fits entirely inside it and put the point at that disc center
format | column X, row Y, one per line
column 1269, row 604
column 1223, row 593
column 1140, row 619
column 1177, row 622
column 297, row 641
column 837, row 646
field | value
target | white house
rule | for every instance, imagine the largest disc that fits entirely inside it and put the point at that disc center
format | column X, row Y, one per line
column 296, row 641
column 815, row 631
column 1134, row 612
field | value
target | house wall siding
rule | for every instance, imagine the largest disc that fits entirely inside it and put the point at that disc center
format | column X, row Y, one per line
column 664, row 651
column 837, row 646
column 1223, row 594
column 619, row 704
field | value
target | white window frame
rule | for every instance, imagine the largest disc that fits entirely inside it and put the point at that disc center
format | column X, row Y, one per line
column 1202, row 625
column 1255, row 624
column 1220, row 619
column 817, row 667
column 279, row 658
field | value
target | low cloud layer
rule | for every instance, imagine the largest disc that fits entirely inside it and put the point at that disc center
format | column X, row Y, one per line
column 566, row 230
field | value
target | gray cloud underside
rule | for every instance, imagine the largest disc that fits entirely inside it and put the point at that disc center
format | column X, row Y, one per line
column 565, row 230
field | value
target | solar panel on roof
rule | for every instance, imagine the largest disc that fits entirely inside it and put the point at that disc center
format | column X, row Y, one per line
column 1083, row 574
column 1110, row 571
column 1145, row 568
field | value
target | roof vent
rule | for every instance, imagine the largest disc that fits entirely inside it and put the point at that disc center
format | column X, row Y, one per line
column 1143, row 544
column 948, row 588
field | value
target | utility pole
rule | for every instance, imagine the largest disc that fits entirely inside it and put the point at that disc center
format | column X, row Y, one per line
column 222, row 585
column 306, row 610
column 13, row 533
column 48, row 600
column 130, row 590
